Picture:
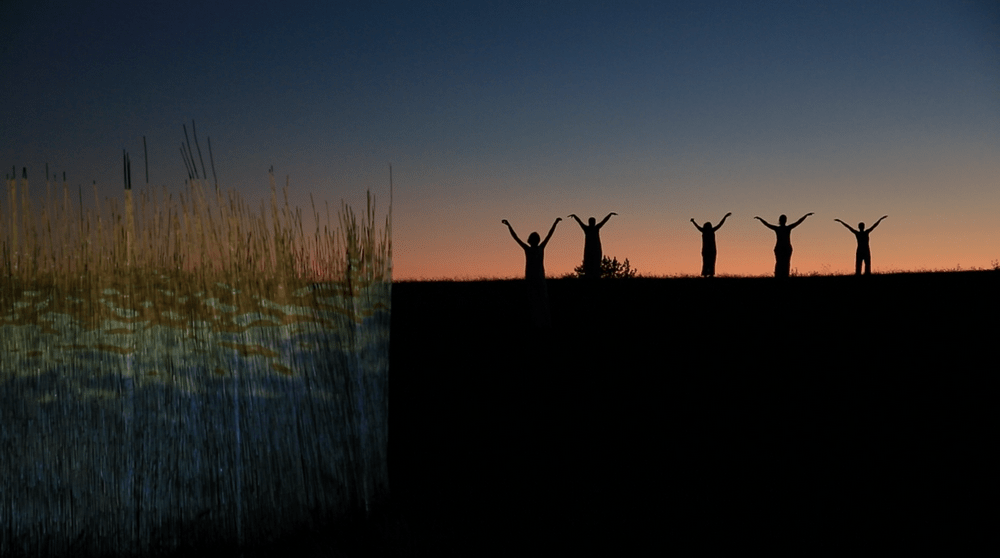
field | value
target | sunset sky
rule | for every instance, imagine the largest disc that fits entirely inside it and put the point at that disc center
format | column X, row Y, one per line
column 528, row 111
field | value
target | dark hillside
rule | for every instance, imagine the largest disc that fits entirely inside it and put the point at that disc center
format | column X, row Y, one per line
column 690, row 411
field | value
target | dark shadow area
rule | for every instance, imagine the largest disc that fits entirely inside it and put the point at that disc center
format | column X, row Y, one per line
column 685, row 414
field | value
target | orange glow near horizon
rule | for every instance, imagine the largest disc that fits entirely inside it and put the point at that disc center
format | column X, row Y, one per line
column 929, row 228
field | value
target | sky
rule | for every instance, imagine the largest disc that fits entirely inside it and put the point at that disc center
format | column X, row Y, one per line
column 528, row 111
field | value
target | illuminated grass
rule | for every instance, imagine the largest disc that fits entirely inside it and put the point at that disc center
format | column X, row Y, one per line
column 217, row 238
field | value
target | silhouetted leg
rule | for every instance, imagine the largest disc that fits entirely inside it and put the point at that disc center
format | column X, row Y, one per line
column 592, row 256
column 782, row 263
column 708, row 264
column 863, row 256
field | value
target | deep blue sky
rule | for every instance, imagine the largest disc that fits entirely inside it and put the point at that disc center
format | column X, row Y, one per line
column 660, row 111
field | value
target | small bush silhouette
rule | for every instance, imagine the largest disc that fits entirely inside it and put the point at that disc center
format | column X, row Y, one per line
column 611, row 268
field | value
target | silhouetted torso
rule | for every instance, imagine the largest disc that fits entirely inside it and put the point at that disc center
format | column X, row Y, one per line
column 592, row 245
column 783, row 240
column 534, row 263
column 707, row 240
column 863, row 242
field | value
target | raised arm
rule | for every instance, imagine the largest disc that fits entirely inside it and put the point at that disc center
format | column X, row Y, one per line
column 697, row 226
column 514, row 234
column 573, row 215
column 850, row 228
column 552, row 230
column 719, row 226
column 799, row 222
column 871, row 228
column 601, row 224
column 766, row 224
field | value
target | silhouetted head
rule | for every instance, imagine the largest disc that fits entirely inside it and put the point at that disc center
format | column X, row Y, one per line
column 534, row 239
column 861, row 226
column 708, row 225
column 592, row 221
column 782, row 220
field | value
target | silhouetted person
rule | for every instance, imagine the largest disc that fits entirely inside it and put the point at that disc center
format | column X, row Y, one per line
column 864, row 253
column 592, row 253
column 708, row 252
column 534, row 273
column 783, row 244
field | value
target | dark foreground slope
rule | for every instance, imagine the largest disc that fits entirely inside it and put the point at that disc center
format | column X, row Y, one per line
column 685, row 416
column 693, row 413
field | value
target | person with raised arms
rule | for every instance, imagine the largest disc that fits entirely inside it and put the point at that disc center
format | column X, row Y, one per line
column 783, row 243
column 592, row 253
column 534, row 272
column 708, row 252
column 864, row 253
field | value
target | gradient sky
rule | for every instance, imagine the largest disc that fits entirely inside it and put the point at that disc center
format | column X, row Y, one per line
column 659, row 111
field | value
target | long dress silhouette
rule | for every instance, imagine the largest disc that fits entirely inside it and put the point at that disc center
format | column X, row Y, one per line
column 783, row 243
column 864, row 252
column 534, row 274
column 592, row 253
column 708, row 252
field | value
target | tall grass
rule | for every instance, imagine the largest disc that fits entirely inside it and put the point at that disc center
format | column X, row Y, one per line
column 212, row 236
column 175, row 369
